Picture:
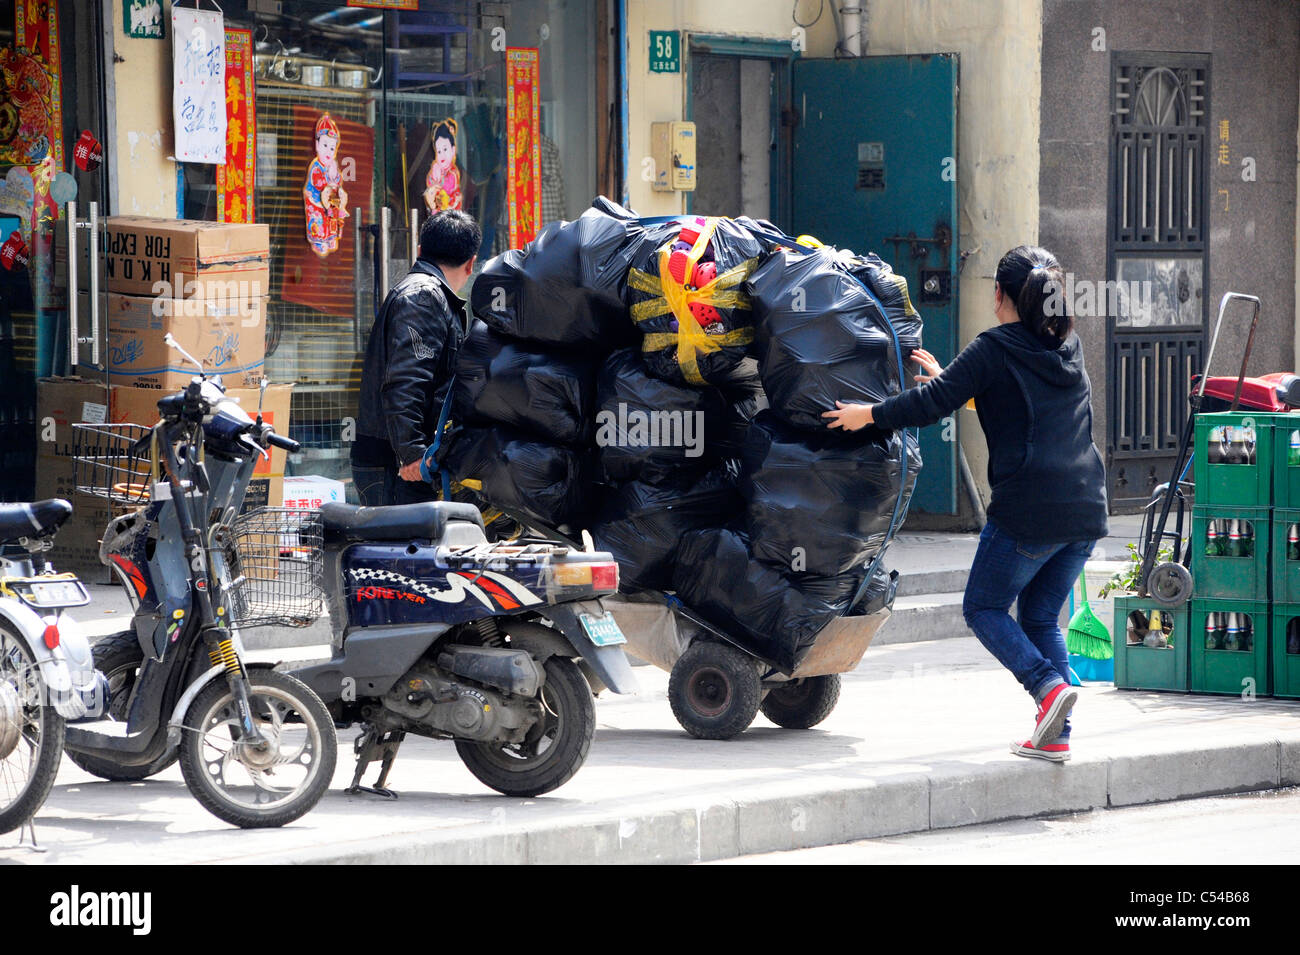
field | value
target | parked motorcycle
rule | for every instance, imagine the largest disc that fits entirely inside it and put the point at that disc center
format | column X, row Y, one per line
column 257, row 748
column 497, row 646
column 46, row 672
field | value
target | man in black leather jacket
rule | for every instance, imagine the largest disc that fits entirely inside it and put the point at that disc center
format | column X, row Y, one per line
column 409, row 362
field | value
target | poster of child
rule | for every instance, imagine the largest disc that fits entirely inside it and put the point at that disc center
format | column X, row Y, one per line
column 442, row 184
column 324, row 198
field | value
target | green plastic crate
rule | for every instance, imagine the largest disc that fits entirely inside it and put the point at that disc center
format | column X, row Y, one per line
column 1230, row 672
column 1244, row 577
column 1286, row 665
column 1139, row 667
column 1285, row 572
column 1234, row 485
column 1286, row 476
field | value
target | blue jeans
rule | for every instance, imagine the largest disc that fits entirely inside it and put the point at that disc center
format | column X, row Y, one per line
column 1038, row 578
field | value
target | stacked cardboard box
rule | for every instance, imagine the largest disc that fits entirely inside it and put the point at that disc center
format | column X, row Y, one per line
column 205, row 283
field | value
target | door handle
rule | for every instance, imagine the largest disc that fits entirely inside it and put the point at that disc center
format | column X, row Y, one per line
column 385, row 249
column 75, row 338
column 415, row 235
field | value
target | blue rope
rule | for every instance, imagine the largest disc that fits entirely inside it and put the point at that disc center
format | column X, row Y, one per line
column 426, row 471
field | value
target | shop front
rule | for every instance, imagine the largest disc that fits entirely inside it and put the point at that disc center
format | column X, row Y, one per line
column 345, row 127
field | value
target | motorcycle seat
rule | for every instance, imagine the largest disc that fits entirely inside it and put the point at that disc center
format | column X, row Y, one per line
column 35, row 520
column 352, row 523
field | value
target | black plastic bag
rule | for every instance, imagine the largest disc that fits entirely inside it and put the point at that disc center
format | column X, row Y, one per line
column 651, row 430
column 642, row 525
column 771, row 614
column 563, row 288
column 891, row 289
column 696, row 318
column 821, row 337
column 742, row 390
column 547, row 393
column 821, row 502
column 544, row 482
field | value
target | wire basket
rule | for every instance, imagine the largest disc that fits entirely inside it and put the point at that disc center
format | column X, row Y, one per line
column 113, row 462
column 275, row 558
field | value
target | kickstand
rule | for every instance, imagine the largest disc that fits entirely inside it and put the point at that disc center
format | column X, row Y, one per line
column 29, row 828
column 375, row 744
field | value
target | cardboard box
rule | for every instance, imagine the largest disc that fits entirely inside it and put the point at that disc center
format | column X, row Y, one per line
column 310, row 491
column 186, row 258
column 229, row 338
column 63, row 402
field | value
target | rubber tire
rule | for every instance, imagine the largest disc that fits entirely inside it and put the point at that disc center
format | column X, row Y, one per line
column 802, row 704
column 569, row 694
column 308, row 705
column 47, row 762
column 116, row 653
column 714, row 661
column 1173, row 585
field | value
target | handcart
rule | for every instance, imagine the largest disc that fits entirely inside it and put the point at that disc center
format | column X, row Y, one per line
column 1169, row 582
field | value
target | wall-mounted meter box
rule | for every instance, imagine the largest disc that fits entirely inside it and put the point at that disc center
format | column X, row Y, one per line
column 672, row 146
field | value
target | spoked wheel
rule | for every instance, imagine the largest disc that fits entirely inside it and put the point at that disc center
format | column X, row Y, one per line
column 1170, row 584
column 119, row 658
column 556, row 746
column 802, row 704
column 31, row 735
column 714, row 690
column 266, row 784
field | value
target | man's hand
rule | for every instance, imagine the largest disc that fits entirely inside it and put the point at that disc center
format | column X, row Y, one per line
column 850, row 417
column 410, row 472
column 930, row 367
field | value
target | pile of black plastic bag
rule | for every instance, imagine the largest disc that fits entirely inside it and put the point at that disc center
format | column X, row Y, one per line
column 661, row 384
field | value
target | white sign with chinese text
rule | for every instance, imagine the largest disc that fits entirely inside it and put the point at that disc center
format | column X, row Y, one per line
column 199, row 94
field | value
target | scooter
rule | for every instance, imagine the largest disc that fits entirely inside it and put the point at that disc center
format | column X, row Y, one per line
column 497, row 646
column 257, row 748
column 46, row 671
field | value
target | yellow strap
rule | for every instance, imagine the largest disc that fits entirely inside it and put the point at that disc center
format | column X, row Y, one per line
column 673, row 298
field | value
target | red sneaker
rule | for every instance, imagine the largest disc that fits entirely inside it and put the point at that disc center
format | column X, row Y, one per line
column 1052, row 714
column 1056, row 752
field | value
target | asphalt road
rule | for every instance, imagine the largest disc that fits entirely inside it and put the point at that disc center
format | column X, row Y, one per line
column 1247, row 829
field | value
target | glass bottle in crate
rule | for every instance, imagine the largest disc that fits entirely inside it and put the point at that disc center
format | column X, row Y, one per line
column 1248, row 444
column 1232, row 636
column 1247, row 539
column 1155, row 634
column 1293, row 635
column 1293, row 450
column 1212, row 630
column 1233, row 546
column 1246, row 636
column 1293, row 542
column 1213, row 541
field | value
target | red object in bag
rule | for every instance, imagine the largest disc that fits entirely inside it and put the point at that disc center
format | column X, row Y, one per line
column 14, row 253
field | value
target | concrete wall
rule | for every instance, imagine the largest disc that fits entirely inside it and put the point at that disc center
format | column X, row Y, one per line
column 997, row 134
column 659, row 97
column 1255, row 54
column 142, row 178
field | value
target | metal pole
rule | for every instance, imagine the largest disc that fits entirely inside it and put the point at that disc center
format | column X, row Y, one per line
column 93, row 225
column 71, row 211
column 357, row 295
column 385, row 251
column 415, row 235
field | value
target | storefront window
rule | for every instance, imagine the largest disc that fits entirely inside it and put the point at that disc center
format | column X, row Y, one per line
column 420, row 101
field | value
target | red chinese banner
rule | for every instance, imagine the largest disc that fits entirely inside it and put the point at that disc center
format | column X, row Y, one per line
column 523, row 139
column 236, row 179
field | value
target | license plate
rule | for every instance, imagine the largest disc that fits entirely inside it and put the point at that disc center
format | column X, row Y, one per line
column 604, row 631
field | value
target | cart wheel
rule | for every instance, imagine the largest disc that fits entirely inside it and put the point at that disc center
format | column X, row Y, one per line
column 714, row 690
column 1170, row 584
column 802, row 704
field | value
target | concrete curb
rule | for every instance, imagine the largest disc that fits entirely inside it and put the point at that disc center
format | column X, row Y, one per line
column 813, row 812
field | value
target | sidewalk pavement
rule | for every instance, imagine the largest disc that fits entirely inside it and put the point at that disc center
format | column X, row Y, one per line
column 918, row 741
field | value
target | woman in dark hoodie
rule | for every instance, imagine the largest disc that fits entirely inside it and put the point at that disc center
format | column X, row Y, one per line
column 1033, row 399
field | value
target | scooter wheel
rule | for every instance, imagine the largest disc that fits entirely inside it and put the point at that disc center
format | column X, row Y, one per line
column 31, row 734
column 714, row 690
column 555, row 748
column 802, row 704
column 119, row 657
column 271, row 784
column 1170, row 584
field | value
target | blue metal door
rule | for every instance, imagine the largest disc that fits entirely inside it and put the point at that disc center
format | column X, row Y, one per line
column 875, row 170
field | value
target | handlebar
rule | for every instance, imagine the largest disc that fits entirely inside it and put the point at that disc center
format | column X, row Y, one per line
column 280, row 441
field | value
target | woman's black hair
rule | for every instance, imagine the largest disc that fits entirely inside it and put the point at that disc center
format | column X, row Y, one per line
column 1035, row 282
column 444, row 130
